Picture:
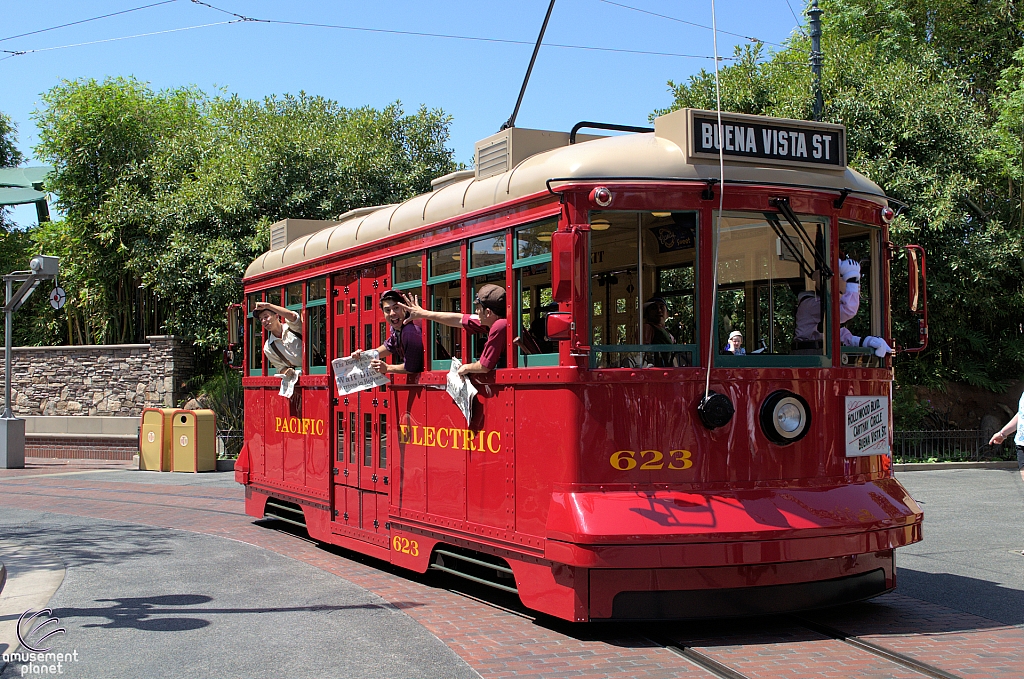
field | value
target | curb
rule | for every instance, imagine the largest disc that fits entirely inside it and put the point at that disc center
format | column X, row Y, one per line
column 226, row 465
column 932, row 466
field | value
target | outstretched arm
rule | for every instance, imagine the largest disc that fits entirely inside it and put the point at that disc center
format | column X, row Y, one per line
column 287, row 314
column 415, row 311
column 1000, row 436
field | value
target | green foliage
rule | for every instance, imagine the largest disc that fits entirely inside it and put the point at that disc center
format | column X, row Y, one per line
column 10, row 156
column 932, row 94
column 168, row 195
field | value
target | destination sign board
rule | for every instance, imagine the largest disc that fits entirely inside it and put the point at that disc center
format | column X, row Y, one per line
column 760, row 139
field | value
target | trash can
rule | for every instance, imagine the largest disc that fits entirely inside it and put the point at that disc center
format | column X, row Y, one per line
column 155, row 439
column 194, row 441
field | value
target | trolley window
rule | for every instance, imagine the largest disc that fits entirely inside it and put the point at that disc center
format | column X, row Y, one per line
column 445, row 294
column 860, row 244
column 486, row 265
column 408, row 273
column 532, row 267
column 255, row 336
column 771, row 290
column 316, row 325
column 643, row 289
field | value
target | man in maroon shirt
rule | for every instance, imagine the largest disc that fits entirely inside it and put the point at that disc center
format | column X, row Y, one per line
column 489, row 316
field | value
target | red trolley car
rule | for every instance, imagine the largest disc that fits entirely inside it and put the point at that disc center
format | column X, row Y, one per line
column 605, row 474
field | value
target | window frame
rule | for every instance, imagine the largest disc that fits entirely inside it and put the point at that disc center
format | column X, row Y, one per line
column 692, row 348
column 446, row 364
column 750, row 360
column 518, row 264
column 308, row 329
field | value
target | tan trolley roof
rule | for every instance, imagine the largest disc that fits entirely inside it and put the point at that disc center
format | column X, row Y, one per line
column 661, row 154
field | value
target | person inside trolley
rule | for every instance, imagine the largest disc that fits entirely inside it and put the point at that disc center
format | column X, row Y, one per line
column 655, row 332
column 735, row 344
column 404, row 344
column 808, row 314
column 489, row 317
column 284, row 339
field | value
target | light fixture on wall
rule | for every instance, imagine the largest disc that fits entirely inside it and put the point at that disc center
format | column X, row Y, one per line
column 544, row 236
column 600, row 225
column 661, row 215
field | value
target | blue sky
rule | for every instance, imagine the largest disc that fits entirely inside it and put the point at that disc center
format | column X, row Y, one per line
column 476, row 82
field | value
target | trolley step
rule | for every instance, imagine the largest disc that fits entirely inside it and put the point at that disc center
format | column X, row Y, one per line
column 474, row 567
column 286, row 512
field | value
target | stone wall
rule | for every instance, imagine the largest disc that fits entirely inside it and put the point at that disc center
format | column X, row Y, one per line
column 110, row 380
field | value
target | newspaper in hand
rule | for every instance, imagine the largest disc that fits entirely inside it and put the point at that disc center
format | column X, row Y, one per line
column 288, row 382
column 355, row 374
column 461, row 390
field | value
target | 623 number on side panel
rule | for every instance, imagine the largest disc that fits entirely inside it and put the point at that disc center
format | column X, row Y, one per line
column 625, row 460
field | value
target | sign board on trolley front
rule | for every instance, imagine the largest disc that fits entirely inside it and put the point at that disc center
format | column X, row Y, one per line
column 867, row 426
column 763, row 141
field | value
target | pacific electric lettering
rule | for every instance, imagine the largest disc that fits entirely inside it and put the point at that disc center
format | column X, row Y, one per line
column 444, row 437
column 299, row 425
column 820, row 147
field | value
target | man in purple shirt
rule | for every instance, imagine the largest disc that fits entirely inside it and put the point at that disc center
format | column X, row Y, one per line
column 404, row 344
column 489, row 306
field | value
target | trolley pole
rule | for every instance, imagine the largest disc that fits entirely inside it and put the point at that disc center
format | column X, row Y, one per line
column 819, row 103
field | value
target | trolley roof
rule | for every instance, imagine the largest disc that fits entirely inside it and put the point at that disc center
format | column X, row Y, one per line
column 668, row 153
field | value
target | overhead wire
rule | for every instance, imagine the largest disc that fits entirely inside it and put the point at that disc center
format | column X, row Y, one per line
column 243, row 18
column 799, row 24
column 689, row 23
column 18, row 53
column 85, row 21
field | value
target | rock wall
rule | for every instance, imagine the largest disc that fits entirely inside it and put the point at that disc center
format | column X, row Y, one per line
column 112, row 379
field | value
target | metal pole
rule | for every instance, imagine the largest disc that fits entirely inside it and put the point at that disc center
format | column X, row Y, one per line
column 816, row 58
column 8, row 328
column 511, row 122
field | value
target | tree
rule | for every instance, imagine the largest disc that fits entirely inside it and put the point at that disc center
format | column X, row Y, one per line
column 10, row 156
column 171, row 193
column 918, row 86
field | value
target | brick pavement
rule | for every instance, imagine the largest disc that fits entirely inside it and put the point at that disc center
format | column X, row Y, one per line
column 499, row 639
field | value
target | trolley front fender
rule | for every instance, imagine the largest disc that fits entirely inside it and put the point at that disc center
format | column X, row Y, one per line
column 666, row 516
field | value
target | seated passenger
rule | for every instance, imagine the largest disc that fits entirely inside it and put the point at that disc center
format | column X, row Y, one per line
column 655, row 315
column 283, row 347
column 735, row 344
column 405, row 343
column 534, row 340
column 490, row 317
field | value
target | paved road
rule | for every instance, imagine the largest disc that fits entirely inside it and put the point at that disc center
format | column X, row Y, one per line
column 166, row 577
column 970, row 558
column 143, row 602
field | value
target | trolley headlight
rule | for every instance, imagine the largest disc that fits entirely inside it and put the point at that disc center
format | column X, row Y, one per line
column 888, row 214
column 785, row 417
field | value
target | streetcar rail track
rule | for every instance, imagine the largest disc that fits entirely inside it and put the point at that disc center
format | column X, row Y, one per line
column 877, row 650
column 723, row 671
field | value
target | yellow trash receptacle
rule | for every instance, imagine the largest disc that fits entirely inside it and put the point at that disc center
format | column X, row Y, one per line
column 194, row 441
column 155, row 439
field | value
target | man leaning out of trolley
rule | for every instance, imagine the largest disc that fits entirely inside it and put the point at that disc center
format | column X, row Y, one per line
column 489, row 317
column 405, row 343
column 284, row 339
